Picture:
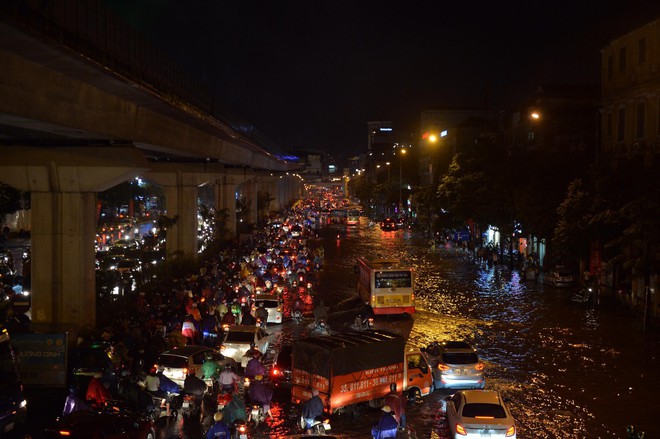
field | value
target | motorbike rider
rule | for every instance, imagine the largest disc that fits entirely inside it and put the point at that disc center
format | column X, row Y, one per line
column 228, row 380
column 97, row 394
column 386, row 426
column 397, row 403
column 234, row 410
column 261, row 393
column 247, row 318
column 210, row 367
column 262, row 314
column 254, row 367
column 298, row 306
column 320, row 313
column 193, row 385
column 312, row 409
column 219, row 429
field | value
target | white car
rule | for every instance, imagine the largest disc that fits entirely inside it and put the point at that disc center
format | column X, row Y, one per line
column 273, row 305
column 479, row 414
column 238, row 339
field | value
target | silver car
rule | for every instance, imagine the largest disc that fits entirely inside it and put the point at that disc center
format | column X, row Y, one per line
column 455, row 366
column 479, row 414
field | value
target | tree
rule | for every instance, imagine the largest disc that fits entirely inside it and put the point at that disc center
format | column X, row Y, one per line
column 10, row 201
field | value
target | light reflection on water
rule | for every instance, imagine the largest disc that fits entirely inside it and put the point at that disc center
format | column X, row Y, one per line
column 569, row 371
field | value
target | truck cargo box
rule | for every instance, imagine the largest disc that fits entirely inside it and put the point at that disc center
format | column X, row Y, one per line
column 347, row 368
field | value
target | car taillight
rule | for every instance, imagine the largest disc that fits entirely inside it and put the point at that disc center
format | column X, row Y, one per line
column 443, row 367
column 242, row 428
column 479, row 366
column 275, row 371
column 185, row 371
column 64, row 433
column 510, row 431
column 279, row 309
column 461, row 430
column 223, row 347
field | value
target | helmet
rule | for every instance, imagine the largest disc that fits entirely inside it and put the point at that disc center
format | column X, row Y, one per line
column 217, row 417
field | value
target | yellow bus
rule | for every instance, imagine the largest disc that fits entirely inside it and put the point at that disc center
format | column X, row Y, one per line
column 353, row 217
column 387, row 284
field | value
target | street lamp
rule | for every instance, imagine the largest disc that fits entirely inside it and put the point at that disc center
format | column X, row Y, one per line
column 403, row 153
column 388, row 172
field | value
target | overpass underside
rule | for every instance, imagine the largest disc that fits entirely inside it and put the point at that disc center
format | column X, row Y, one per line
column 70, row 128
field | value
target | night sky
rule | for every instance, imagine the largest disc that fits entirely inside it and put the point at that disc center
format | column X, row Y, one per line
column 310, row 74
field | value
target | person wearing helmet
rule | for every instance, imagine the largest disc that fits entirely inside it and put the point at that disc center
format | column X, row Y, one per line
column 219, row 429
column 312, row 409
column 254, row 367
column 262, row 314
column 210, row 367
column 397, row 403
column 228, row 380
column 320, row 313
column 261, row 393
column 386, row 426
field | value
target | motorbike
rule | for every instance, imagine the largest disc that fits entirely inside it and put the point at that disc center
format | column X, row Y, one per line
column 583, row 296
column 362, row 324
column 239, row 429
column 297, row 315
column 257, row 414
column 224, row 397
column 319, row 427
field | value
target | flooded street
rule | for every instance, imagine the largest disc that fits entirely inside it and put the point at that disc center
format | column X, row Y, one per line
column 569, row 371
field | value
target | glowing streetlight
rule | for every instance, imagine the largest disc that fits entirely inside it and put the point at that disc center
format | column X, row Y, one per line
column 433, row 138
column 535, row 115
column 403, row 153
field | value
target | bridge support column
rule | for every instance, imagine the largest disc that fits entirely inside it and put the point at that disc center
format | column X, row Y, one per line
column 225, row 193
column 63, row 183
column 250, row 191
column 181, row 182
column 63, row 281
column 181, row 204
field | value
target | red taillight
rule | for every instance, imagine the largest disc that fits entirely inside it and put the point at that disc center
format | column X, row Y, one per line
column 510, row 431
column 185, row 371
column 461, row 430
column 443, row 367
column 65, row 433
column 479, row 366
column 275, row 371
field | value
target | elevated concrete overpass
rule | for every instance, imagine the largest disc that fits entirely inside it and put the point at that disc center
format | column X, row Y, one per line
column 78, row 117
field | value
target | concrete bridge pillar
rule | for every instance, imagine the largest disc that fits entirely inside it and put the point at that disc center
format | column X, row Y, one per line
column 249, row 189
column 63, row 183
column 181, row 182
column 225, row 193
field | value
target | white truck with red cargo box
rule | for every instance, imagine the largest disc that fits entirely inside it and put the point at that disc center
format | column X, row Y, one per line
column 357, row 367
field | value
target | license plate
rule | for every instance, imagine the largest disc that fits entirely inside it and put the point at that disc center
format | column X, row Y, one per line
column 186, row 404
column 242, row 436
column 9, row 427
column 326, row 426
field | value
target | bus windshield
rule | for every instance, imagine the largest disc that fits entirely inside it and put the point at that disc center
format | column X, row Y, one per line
column 393, row 279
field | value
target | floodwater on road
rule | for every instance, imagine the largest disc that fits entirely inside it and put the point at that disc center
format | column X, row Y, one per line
column 569, row 371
